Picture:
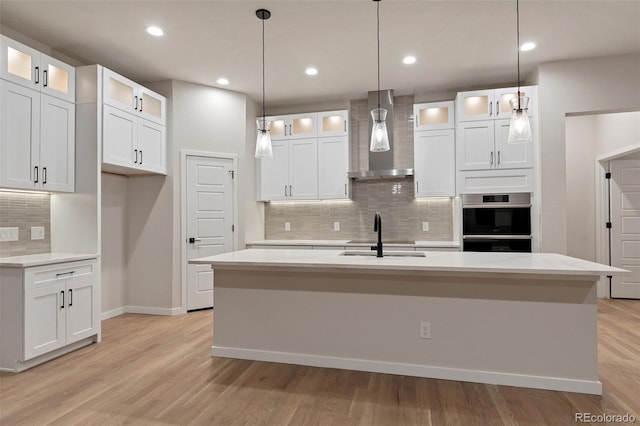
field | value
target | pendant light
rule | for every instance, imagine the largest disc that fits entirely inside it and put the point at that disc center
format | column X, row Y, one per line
column 520, row 127
column 263, row 142
column 379, row 135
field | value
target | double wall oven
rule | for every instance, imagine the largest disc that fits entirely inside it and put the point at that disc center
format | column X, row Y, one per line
column 496, row 222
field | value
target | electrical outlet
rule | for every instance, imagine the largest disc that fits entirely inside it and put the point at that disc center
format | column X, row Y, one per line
column 425, row 330
column 336, row 226
column 37, row 232
column 287, row 226
column 425, row 226
column 8, row 234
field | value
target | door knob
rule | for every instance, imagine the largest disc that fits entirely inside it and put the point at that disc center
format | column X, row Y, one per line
column 192, row 240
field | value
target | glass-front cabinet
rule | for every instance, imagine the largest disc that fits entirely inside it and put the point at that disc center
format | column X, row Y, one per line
column 295, row 126
column 492, row 103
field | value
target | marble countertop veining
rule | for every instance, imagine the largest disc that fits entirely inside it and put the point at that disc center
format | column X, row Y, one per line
column 437, row 261
column 30, row 260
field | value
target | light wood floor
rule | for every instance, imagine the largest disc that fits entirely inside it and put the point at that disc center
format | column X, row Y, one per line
column 157, row 370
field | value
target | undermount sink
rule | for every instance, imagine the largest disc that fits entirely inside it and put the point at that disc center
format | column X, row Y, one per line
column 386, row 254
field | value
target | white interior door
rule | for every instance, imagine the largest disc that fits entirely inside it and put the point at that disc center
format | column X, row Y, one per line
column 209, row 212
column 625, row 229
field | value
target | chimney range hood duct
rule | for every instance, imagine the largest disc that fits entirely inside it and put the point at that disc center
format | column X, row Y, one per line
column 381, row 163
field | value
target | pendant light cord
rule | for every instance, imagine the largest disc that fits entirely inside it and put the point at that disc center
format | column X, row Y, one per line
column 378, row 37
column 263, row 110
column 518, row 46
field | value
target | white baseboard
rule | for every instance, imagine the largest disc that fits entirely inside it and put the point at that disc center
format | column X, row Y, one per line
column 147, row 310
column 113, row 313
column 416, row 370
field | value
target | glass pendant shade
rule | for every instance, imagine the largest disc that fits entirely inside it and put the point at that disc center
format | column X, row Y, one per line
column 263, row 143
column 520, row 127
column 379, row 135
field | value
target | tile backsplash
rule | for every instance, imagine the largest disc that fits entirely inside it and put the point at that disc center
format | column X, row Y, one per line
column 24, row 210
column 402, row 214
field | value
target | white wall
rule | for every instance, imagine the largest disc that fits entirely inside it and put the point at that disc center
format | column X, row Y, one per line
column 617, row 132
column 581, row 191
column 605, row 84
column 114, row 242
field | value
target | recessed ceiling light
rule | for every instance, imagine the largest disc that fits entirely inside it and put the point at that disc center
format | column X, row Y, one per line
column 222, row 81
column 408, row 60
column 155, row 31
column 311, row 71
column 528, row 46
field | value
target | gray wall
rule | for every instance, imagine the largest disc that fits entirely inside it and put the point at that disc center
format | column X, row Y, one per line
column 24, row 210
column 607, row 84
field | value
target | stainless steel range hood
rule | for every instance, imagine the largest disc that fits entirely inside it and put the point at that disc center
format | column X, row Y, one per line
column 381, row 164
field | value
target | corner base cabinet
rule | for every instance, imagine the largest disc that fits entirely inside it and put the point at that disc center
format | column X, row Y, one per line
column 47, row 311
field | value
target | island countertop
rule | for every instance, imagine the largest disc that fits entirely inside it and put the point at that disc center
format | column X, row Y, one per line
column 441, row 262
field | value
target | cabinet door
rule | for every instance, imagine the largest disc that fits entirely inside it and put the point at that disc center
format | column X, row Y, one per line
column 19, row 136
column 81, row 309
column 511, row 155
column 57, row 144
column 434, row 116
column 303, row 169
column 152, row 106
column 333, row 165
column 476, row 105
column 152, row 147
column 119, row 91
column 333, row 123
column 274, row 173
column 303, row 125
column 58, row 79
column 120, row 137
column 20, row 64
column 474, row 143
column 435, row 163
column 44, row 320
column 279, row 127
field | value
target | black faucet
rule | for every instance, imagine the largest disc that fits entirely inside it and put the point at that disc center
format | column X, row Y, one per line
column 377, row 227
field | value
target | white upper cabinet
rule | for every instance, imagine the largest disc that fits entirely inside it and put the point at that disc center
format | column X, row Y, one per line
column 37, row 120
column 292, row 173
column 333, row 165
column 434, row 163
column 434, row 116
column 30, row 68
column 131, row 97
column 134, row 131
column 295, row 126
column 491, row 103
column 333, row 123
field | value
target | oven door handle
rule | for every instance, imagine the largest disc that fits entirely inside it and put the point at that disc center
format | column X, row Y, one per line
column 496, row 237
column 495, row 206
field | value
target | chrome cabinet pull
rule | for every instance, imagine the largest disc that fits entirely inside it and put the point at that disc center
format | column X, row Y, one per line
column 490, row 109
column 136, row 103
column 290, row 193
column 35, row 169
column 290, row 131
column 491, row 161
column 345, row 125
column 345, row 189
column 497, row 108
column 62, row 306
column 70, row 297
column 44, row 175
column 136, row 160
column 140, row 103
column 285, row 130
column 45, row 80
column 62, row 274
column 285, row 190
column 140, row 157
column 37, row 75
column 498, row 157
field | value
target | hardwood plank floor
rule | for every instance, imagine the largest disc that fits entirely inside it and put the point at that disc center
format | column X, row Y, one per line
column 157, row 370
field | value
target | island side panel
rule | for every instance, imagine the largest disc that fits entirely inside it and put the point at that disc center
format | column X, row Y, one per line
column 528, row 332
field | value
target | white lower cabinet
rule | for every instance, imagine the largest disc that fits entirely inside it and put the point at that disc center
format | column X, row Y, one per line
column 52, row 306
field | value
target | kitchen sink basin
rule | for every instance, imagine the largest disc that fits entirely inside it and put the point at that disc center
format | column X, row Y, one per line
column 386, row 254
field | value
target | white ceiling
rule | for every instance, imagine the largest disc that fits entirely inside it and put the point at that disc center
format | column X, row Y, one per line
column 459, row 44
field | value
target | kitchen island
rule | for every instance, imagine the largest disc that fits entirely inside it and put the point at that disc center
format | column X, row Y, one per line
column 516, row 319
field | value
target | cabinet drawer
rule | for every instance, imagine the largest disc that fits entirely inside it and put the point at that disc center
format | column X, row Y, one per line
column 491, row 181
column 43, row 276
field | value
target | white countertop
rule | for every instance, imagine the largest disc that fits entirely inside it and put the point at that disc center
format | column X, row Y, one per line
column 29, row 260
column 449, row 262
column 333, row 243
